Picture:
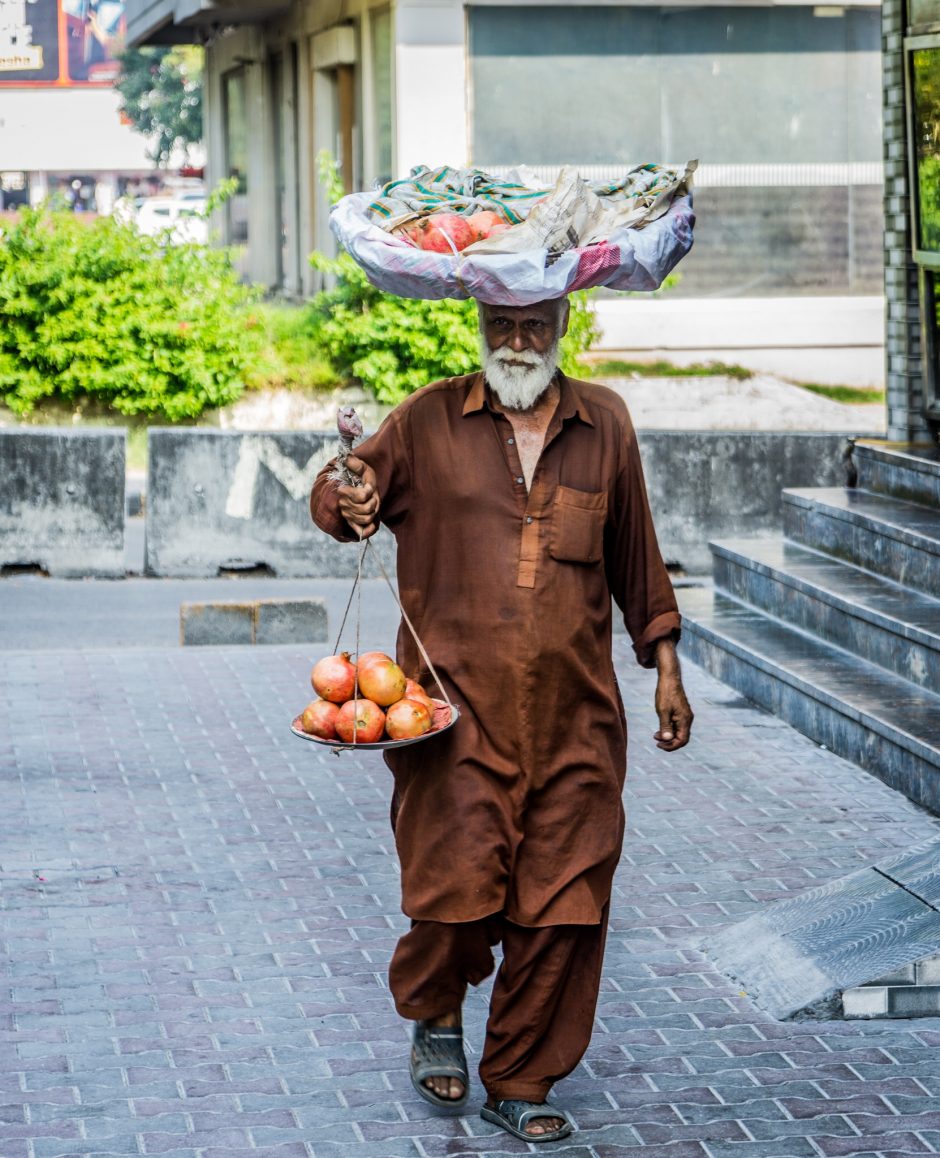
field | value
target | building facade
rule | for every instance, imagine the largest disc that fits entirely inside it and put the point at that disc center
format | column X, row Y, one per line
column 61, row 131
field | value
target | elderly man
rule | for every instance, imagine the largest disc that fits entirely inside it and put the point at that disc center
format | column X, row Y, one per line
column 517, row 500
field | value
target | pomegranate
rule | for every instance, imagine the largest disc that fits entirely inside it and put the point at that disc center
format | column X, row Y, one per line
column 368, row 657
column 443, row 226
column 407, row 719
column 483, row 223
column 414, row 691
column 334, row 678
column 319, row 719
column 363, row 718
column 381, row 680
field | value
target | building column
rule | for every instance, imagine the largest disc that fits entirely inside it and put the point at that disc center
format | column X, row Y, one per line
column 263, row 244
column 38, row 187
column 106, row 192
column 213, row 113
column 903, row 374
column 306, row 167
column 293, row 258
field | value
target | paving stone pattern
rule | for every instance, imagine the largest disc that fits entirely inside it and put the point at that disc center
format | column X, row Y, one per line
column 198, row 908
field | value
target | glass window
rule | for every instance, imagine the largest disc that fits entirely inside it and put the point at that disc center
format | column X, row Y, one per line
column 782, row 102
column 621, row 84
column 925, row 96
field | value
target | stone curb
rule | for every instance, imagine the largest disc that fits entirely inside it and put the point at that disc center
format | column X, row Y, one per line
column 258, row 621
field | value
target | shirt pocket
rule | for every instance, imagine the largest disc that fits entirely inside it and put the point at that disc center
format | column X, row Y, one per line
column 577, row 534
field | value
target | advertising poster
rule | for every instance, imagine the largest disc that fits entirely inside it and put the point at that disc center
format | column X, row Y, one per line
column 60, row 42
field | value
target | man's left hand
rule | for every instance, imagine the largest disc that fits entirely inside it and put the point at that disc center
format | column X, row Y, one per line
column 672, row 707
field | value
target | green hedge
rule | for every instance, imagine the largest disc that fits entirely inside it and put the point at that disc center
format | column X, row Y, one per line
column 95, row 311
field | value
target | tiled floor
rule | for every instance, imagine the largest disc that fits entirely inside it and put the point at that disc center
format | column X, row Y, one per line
column 196, row 911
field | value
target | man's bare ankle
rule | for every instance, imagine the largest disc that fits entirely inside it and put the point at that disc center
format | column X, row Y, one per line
column 446, row 1020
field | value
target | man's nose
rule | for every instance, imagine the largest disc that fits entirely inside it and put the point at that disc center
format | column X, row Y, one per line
column 518, row 341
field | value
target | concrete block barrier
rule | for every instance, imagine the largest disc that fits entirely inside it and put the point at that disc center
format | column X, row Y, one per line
column 258, row 621
column 221, row 501
column 62, row 501
column 202, row 624
column 290, row 621
column 712, row 484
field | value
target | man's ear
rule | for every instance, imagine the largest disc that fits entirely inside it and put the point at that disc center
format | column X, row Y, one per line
column 563, row 315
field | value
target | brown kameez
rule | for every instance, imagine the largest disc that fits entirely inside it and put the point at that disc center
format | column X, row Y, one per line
column 517, row 810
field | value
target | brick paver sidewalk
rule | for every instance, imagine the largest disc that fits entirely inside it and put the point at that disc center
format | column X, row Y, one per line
column 197, row 911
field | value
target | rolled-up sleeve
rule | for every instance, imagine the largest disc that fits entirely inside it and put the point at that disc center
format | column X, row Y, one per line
column 639, row 581
column 387, row 453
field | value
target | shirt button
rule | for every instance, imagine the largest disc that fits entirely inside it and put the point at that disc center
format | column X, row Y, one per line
column 511, row 441
column 528, row 518
column 520, row 480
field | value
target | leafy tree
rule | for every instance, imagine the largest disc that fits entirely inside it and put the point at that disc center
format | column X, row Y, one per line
column 161, row 93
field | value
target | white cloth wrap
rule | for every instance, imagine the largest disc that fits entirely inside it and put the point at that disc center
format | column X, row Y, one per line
column 630, row 259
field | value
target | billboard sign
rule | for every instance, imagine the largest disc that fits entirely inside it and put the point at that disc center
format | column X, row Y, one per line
column 60, row 42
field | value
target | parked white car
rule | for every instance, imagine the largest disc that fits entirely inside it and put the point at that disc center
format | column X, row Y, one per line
column 183, row 216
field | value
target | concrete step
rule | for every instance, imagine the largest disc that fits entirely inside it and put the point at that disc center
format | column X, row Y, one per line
column 909, row 471
column 897, row 539
column 872, row 717
column 879, row 620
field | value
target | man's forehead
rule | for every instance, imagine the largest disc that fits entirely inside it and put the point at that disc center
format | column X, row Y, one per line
column 547, row 309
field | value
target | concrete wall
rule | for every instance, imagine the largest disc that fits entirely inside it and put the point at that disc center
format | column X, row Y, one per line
column 62, row 501
column 232, row 500
column 220, row 499
column 706, row 485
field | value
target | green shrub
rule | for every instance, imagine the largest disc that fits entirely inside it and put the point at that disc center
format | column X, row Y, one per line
column 395, row 345
column 95, row 311
column 291, row 357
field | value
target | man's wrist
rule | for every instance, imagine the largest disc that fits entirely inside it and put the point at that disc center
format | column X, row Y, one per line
column 667, row 660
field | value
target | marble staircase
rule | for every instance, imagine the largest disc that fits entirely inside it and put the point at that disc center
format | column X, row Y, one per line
column 835, row 626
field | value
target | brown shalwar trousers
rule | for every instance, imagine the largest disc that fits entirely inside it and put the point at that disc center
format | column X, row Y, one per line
column 543, row 1001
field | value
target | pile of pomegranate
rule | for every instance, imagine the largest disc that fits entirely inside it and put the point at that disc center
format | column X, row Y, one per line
column 445, row 232
column 390, row 706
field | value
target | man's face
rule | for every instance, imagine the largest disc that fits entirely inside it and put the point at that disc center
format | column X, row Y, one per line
column 519, row 347
column 519, row 328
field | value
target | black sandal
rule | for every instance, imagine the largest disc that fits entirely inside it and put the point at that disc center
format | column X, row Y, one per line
column 514, row 1115
column 437, row 1052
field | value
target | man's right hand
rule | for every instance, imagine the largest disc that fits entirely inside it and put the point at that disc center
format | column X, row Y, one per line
column 359, row 505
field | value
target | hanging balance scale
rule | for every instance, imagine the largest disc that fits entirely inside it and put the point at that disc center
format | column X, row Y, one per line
column 445, row 713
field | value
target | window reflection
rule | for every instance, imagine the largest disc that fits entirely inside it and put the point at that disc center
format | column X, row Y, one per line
column 924, row 12
column 925, row 75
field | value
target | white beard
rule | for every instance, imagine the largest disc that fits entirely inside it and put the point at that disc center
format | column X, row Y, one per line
column 518, row 387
